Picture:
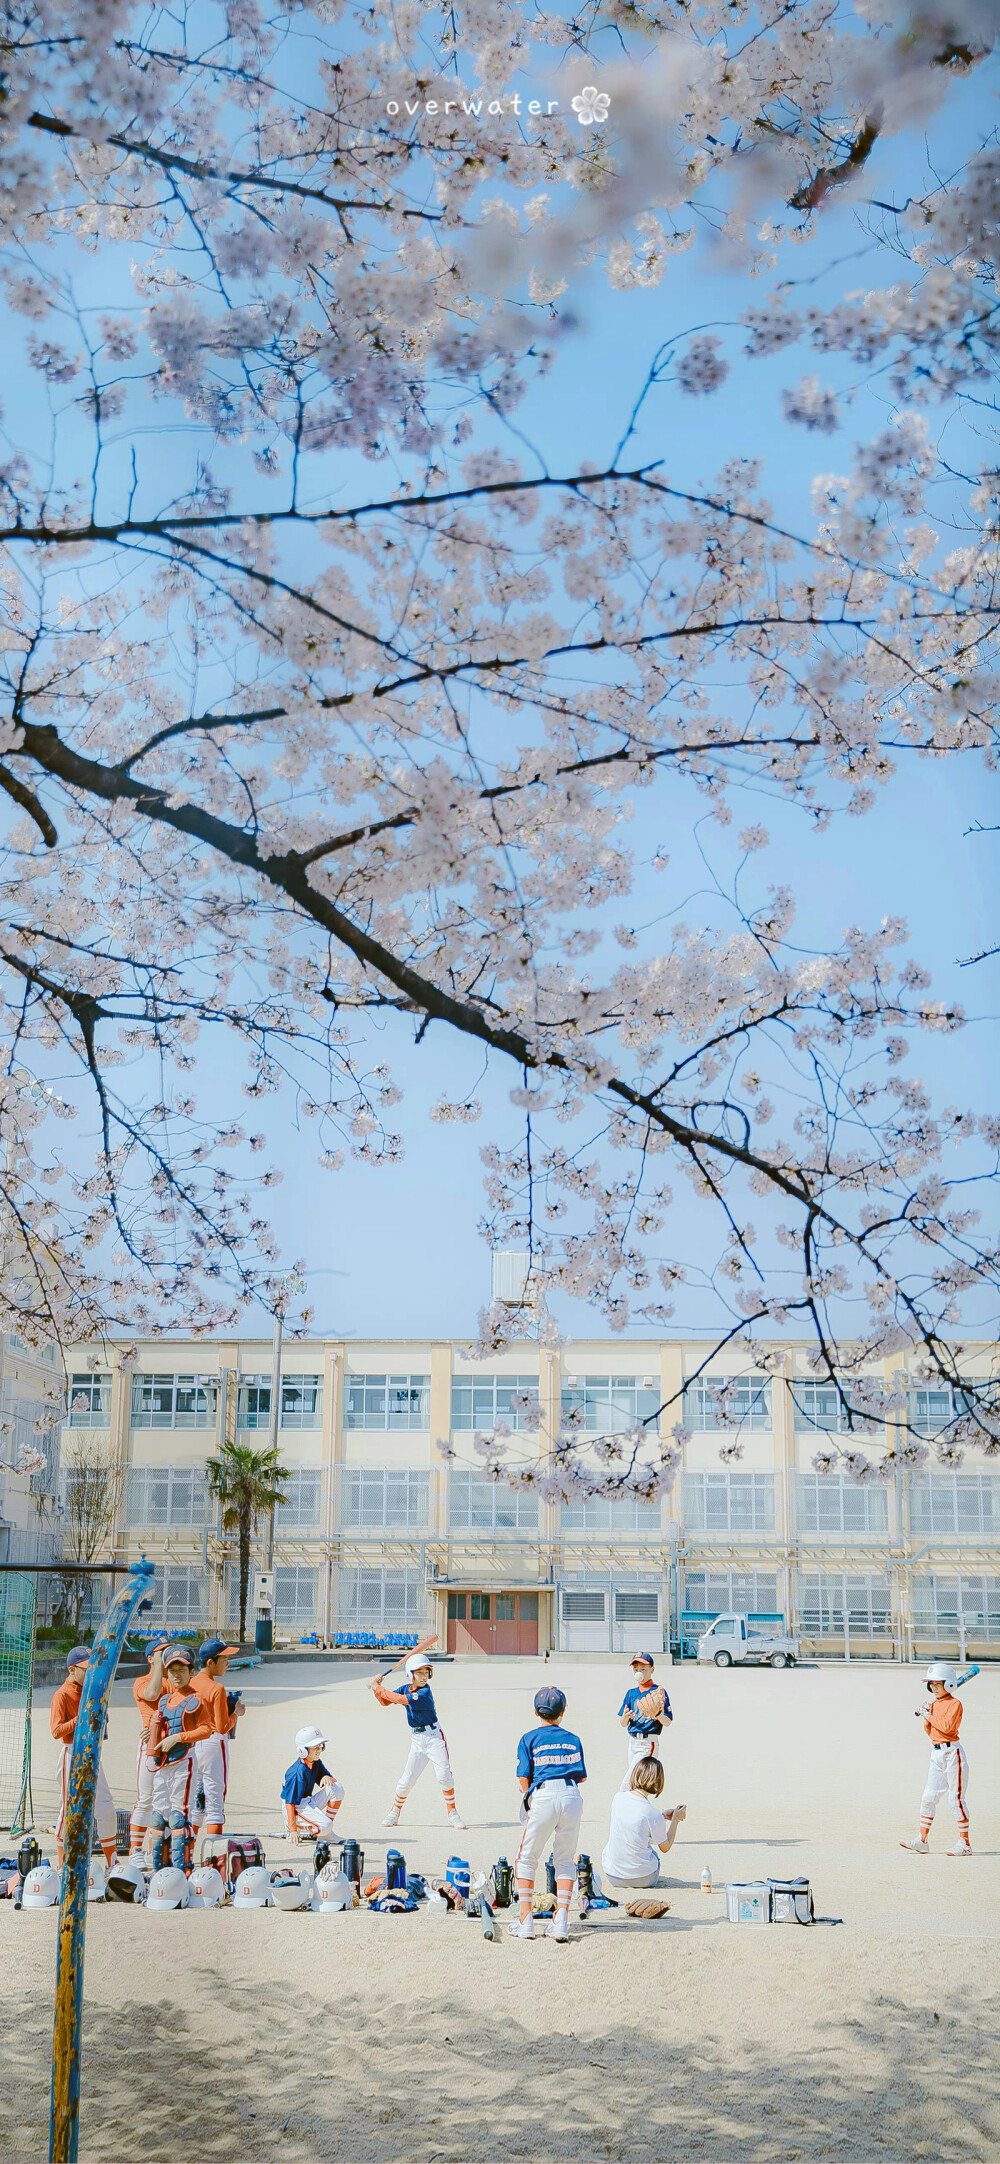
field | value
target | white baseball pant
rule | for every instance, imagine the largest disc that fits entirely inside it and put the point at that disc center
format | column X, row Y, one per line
column 212, row 1757
column 639, row 1747
column 554, row 1815
column 427, row 1748
column 143, row 1784
column 320, row 1811
column 174, row 1786
column 948, row 1772
column 104, row 1802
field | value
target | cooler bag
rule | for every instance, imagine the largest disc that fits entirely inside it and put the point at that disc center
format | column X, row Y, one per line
column 750, row 1903
column 791, row 1901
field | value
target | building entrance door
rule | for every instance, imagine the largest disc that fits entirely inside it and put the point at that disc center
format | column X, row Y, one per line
column 492, row 1622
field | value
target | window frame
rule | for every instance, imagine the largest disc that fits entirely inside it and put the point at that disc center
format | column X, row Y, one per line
column 387, row 1419
column 494, row 1387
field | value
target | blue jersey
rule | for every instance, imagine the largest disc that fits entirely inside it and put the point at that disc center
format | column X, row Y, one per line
column 420, row 1709
column 550, row 1754
column 300, row 1780
column 631, row 1699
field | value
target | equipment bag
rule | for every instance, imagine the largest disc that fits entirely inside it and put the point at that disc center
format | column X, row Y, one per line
column 791, row 1901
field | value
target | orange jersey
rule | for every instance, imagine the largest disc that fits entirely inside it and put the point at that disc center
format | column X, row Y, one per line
column 146, row 1706
column 194, row 1726
column 213, row 1694
column 944, row 1719
column 65, row 1707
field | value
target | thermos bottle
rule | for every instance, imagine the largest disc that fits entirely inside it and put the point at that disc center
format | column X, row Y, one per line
column 550, row 1877
column 321, row 1856
column 29, row 1856
column 585, row 1878
column 352, row 1862
column 503, row 1883
column 395, row 1870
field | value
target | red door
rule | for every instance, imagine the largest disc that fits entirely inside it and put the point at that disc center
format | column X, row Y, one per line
column 527, row 1623
column 505, row 1633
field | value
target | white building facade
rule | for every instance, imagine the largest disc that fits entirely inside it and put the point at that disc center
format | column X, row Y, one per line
column 380, row 1534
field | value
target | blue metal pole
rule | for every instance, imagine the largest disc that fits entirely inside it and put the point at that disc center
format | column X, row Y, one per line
column 64, row 2122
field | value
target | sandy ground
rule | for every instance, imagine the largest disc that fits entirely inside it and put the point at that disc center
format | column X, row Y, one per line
column 357, row 2037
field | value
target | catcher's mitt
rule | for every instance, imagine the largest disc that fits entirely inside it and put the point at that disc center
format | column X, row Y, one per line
column 647, row 1906
column 650, row 1708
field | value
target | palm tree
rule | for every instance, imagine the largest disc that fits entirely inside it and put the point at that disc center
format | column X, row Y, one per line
column 249, row 1485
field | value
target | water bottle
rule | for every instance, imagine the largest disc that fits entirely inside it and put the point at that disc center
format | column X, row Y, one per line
column 585, row 1878
column 395, row 1870
column 550, row 1876
column 352, row 1862
column 457, row 1874
column 503, row 1883
column 321, row 1856
column 706, row 1879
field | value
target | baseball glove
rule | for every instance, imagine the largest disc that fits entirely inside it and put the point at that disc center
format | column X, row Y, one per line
column 647, row 1906
column 449, row 1893
column 649, row 1708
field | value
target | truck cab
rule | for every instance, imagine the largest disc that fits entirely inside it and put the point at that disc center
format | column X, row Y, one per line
column 732, row 1638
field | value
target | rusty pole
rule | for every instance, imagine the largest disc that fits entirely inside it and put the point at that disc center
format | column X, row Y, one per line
column 64, row 2122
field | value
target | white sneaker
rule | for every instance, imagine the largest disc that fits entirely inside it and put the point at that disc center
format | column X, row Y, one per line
column 391, row 1817
column 961, row 1848
column 525, row 1930
column 458, row 1823
column 559, row 1927
column 916, row 1848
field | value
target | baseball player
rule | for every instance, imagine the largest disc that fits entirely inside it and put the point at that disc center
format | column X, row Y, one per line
column 310, row 1796
column 180, row 1722
column 550, row 1771
column 428, row 1745
column 949, row 1767
column 62, row 1721
column 213, row 1754
column 645, row 1725
column 147, row 1691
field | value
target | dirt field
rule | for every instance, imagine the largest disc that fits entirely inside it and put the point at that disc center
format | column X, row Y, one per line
column 357, row 2037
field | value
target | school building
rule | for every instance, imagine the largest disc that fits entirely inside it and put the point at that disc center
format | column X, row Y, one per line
column 379, row 1533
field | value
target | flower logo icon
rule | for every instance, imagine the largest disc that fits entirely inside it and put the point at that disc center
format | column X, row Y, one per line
column 592, row 106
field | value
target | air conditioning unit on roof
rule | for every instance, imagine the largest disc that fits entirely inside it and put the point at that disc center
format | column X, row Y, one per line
column 511, row 1280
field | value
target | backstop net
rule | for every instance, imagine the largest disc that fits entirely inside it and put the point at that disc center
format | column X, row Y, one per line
column 18, row 1595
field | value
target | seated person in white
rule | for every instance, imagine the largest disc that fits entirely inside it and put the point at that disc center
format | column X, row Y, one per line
column 640, row 1832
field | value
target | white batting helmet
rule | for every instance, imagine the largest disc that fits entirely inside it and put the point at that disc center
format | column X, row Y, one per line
column 253, row 1888
column 332, row 1890
column 206, row 1887
column 291, row 1889
column 310, row 1739
column 41, row 1888
column 168, row 1889
column 127, row 1880
column 941, row 1672
column 97, row 1881
column 416, row 1660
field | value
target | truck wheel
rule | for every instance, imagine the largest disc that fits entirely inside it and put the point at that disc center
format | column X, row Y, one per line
column 723, row 1660
column 779, row 1660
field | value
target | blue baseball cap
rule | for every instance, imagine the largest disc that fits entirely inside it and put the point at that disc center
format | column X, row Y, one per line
column 155, row 1645
column 212, row 1648
column 644, row 1660
column 78, row 1657
column 549, row 1701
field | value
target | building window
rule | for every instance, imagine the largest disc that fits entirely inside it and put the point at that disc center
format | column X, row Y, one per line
column 385, row 1498
column 304, row 1496
column 928, row 1411
column 476, row 1505
column 33, row 1425
column 480, row 1401
column 609, row 1404
column 167, row 1495
column 372, row 1596
column 828, row 1503
column 826, row 1596
column 940, row 1601
column 746, row 1592
column 727, row 1401
column 301, row 1401
column 955, row 1503
column 296, row 1595
column 817, row 1405
column 583, row 1607
column 174, row 1401
column 729, row 1502
column 604, row 1514
column 180, row 1593
column 388, row 1401
column 88, row 1401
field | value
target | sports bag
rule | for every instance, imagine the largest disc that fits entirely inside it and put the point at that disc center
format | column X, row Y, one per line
column 791, row 1901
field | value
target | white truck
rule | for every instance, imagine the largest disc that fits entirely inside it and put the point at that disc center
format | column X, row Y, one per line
column 732, row 1638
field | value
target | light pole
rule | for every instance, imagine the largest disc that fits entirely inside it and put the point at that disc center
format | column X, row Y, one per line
column 264, row 1624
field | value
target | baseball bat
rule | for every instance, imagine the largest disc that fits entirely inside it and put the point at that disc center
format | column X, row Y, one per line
column 965, row 1677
